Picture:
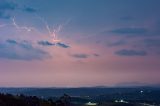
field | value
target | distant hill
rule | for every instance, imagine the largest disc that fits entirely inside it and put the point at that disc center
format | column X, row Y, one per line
column 90, row 91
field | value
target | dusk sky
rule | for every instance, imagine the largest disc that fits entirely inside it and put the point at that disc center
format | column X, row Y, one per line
column 79, row 43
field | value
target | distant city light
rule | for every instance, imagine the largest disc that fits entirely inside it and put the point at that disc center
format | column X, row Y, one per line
column 91, row 104
column 121, row 101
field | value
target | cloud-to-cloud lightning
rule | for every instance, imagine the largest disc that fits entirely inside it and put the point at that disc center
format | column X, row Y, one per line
column 52, row 33
column 21, row 27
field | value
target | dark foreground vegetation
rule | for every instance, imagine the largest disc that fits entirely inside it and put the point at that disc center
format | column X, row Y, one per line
column 65, row 100
column 80, row 97
column 21, row 100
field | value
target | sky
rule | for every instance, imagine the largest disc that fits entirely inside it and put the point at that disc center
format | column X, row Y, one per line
column 79, row 43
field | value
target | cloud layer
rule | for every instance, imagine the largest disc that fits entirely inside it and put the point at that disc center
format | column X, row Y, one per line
column 125, row 52
column 47, row 43
column 24, row 50
column 80, row 56
column 62, row 45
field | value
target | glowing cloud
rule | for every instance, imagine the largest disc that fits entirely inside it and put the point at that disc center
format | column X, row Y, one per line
column 52, row 33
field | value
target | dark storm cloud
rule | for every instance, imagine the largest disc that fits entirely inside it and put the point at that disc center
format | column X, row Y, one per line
column 45, row 43
column 4, row 5
column 29, row 9
column 63, row 45
column 82, row 56
column 11, row 41
column 13, row 50
column 129, row 31
column 130, row 52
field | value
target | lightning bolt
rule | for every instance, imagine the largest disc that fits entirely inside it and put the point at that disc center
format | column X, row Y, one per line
column 55, row 35
column 28, row 29
column 52, row 33
column 56, row 30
